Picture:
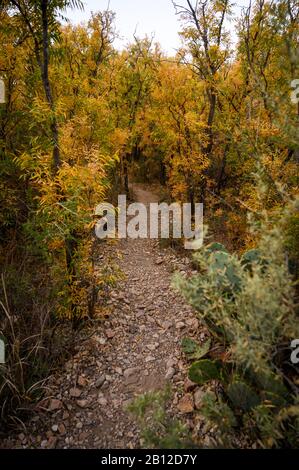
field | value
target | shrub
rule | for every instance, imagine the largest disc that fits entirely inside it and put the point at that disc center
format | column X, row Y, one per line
column 248, row 302
column 159, row 429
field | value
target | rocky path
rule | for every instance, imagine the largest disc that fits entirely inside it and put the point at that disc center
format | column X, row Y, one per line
column 136, row 350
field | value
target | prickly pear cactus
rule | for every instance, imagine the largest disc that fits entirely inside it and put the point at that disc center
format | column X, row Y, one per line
column 242, row 396
column 214, row 247
column 221, row 264
column 250, row 257
column 203, row 371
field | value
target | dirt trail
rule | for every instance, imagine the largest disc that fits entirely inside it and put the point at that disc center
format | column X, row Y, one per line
column 137, row 349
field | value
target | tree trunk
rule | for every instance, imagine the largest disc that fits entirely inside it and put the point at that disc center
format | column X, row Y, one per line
column 209, row 146
column 71, row 246
column 162, row 173
column 47, row 86
column 191, row 197
column 222, row 170
column 126, row 175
